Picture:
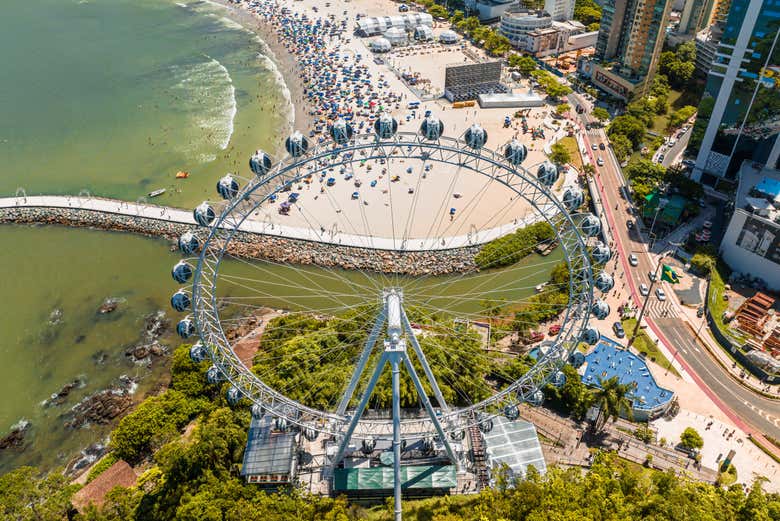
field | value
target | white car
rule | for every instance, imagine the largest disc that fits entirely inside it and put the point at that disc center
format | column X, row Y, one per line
column 594, row 146
column 643, row 289
column 660, row 294
column 600, row 162
column 633, row 260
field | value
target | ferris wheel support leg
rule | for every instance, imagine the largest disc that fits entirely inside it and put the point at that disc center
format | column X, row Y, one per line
column 429, row 409
column 362, row 361
column 396, row 370
column 359, row 411
column 424, row 362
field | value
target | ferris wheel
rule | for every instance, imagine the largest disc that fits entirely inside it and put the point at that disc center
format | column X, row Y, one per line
column 367, row 275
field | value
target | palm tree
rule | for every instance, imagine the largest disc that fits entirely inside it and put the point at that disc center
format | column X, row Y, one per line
column 611, row 397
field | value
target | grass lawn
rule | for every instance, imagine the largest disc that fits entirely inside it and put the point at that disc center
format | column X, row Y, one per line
column 643, row 344
column 571, row 145
column 718, row 305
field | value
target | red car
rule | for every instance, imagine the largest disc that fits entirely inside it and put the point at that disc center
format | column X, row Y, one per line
column 554, row 329
column 535, row 336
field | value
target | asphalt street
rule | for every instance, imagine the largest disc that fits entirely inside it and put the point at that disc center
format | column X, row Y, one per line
column 753, row 409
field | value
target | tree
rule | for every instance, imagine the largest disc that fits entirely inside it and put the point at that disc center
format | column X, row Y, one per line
column 611, row 398
column 691, row 439
column 559, row 154
column 587, row 11
column 679, row 117
column 562, row 109
column 457, row 17
column 26, row 496
column 593, row 27
column 600, row 114
column 556, row 90
column 630, row 127
column 621, row 146
column 438, row 11
column 525, row 64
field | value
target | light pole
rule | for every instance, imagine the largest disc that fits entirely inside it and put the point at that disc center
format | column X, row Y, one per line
column 661, row 205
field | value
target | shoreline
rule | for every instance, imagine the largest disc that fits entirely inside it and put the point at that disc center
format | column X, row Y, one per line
column 284, row 61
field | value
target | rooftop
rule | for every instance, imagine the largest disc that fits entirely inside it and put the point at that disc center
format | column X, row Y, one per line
column 759, row 191
column 610, row 359
column 516, row 444
column 381, row 478
column 268, row 452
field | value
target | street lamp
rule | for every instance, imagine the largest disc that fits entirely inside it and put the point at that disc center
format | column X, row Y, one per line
column 661, row 205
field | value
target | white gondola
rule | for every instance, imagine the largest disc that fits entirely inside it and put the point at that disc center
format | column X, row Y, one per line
column 233, row 396
column 604, row 282
column 204, row 214
column 590, row 225
column 515, row 152
column 536, row 399
column 367, row 446
column 547, row 174
column 591, row 335
column 181, row 272
column 385, row 126
column 188, row 243
column 511, row 412
column 486, row 426
column 185, row 328
column 213, row 376
column 600, row 252
column 296, row 145
column 600, row 309
column 341, row 132
column 576, row 359
column 431, row 128
column 475, row 136
column 257, row 411
column 260, row 163
column 180, row 301
column 198, row 353
column 227, row 187
column 573, row 198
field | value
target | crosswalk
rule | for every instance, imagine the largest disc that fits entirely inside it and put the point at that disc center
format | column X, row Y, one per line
column 658, row 309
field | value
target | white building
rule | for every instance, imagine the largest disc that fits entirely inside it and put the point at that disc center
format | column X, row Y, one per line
column 517, row 22
column 560, row 10
column 752, row 240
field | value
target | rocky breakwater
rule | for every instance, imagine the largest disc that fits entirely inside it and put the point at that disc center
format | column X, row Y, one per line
column 258, row 246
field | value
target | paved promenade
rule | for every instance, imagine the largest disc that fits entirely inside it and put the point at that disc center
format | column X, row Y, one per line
column 176, row 215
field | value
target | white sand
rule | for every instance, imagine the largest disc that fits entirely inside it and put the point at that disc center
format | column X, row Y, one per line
column 396, row 212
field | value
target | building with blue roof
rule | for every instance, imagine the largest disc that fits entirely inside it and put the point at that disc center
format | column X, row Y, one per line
column 610, row 359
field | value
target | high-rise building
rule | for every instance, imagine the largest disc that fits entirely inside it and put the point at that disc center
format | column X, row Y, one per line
column 560, row 10
column 630, row 40
column 739, row 115
column 694, row 16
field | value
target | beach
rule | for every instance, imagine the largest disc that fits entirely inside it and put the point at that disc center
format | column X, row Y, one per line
column 331, row 74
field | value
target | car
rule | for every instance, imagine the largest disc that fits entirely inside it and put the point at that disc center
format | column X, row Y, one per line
column 633, row 260
column 651, row 276
column 600, row 162
column 630, row 224
column 617, row 327
column 660, row 294
column 661, row 158
column 707, row 224
column 643, row 289
column 602, row 147
column 594, row 146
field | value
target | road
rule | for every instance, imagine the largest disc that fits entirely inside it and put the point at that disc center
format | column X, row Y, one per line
column 755, row 409
column 750, row 411
column 672, row 155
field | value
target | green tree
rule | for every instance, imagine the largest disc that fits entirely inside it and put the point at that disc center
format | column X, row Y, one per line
column 691, row 439
column 630, row 127
column 562, row 109
column 525, row 64
column 621, row 146
column 438, row 11
column 587, row 11
column 593, row 27
column 557, row 90
column 611, row 398
column 679, row 117
column 559, row 154
column 26, row 496
column 457, row 17
column 600, row 114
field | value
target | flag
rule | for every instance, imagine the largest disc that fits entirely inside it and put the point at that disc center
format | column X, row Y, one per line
column 668, row 274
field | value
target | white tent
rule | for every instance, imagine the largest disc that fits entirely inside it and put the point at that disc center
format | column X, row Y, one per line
column 448, row 37
column 396, row 36
column 380, row 24
column 423, row 33
column 381, row 45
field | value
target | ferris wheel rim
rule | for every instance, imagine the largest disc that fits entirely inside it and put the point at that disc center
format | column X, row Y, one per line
column 256, row 390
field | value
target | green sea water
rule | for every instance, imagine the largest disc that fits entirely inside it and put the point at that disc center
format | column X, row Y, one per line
column 116, row 96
